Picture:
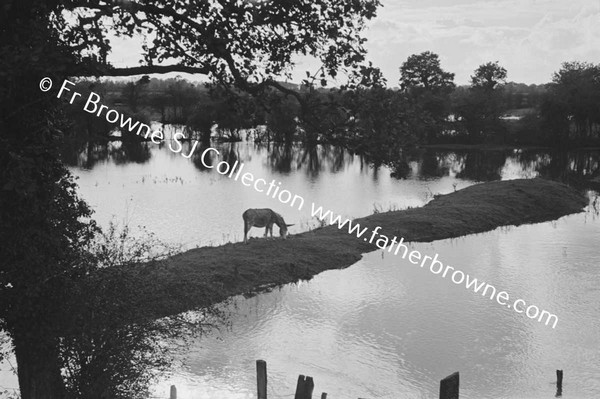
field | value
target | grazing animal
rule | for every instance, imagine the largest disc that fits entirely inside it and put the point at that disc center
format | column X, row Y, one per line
column 264, row 218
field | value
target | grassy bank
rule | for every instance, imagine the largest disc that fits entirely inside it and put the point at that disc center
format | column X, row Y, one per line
column 204, row 276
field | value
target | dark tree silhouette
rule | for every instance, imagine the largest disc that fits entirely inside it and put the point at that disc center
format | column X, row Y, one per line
column 480, row 106
column 424, row 70
column 429, row 87
column 489, row 76
column 574, row 96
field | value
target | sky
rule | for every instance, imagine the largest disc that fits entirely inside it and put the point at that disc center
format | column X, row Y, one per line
column 530, row 38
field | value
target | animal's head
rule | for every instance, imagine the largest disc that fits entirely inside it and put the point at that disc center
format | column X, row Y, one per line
column 283, row 229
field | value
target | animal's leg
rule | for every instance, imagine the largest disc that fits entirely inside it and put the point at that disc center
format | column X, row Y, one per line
column 246, row 230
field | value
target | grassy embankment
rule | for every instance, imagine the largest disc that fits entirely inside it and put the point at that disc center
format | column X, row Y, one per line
column 204, row 276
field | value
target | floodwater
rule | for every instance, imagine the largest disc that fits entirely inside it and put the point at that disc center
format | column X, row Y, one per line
column 185, row 203
column 385, row 328
column 382, row 328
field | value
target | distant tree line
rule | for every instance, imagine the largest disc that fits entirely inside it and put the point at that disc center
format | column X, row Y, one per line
column 367, row 116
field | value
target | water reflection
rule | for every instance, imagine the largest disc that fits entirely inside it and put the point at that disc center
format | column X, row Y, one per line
column 88, row 154
column 131, row 151
column 134, row 181
column 312, row 159
column 482, row 165
column 434, row 165
column 281, row 157
column 202, row 161
column 570, row 167
column 575, row 167
column 384, row 328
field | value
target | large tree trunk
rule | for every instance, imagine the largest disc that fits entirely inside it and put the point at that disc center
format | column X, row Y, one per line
column 38, row 366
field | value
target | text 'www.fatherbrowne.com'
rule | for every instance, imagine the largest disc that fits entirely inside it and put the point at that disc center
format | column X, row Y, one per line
column 435, row 266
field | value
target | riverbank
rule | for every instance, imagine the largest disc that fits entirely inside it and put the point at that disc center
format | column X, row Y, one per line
column 208, row 275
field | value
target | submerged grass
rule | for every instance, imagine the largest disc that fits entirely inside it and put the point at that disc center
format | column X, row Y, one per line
column 204, row 276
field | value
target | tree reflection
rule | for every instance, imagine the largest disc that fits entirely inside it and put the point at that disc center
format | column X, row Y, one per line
column 202, row 163
column 482, row 165
column 280, row 157
column 433, row 165
column 339, row 158
column 228, row 153
column 131, row 152
column 401, row 162
column 400, row 169
column 86, row 154
column 575, row 167
column 313, row 159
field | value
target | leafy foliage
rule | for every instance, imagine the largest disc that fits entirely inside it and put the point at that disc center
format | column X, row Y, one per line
column 479, row 107
column 429, row 88
column 240, row 42
column 424, row 70
column 489, row 76
column 574, row 96
column 111, row 346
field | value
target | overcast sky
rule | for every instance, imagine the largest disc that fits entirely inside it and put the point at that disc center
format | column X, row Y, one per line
column 530, row 38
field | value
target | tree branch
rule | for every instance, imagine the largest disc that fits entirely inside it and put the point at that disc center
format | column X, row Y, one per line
column 149, row 69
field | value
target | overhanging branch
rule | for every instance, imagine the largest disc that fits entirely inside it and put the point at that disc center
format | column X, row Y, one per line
column 150, row 69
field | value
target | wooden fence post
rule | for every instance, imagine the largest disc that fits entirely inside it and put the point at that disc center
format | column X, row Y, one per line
column 449, row 387
column 300, row 387
column 173, row 394
column 304, row 388
column 261, row 379
column 309, row 387
column 559, row 379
